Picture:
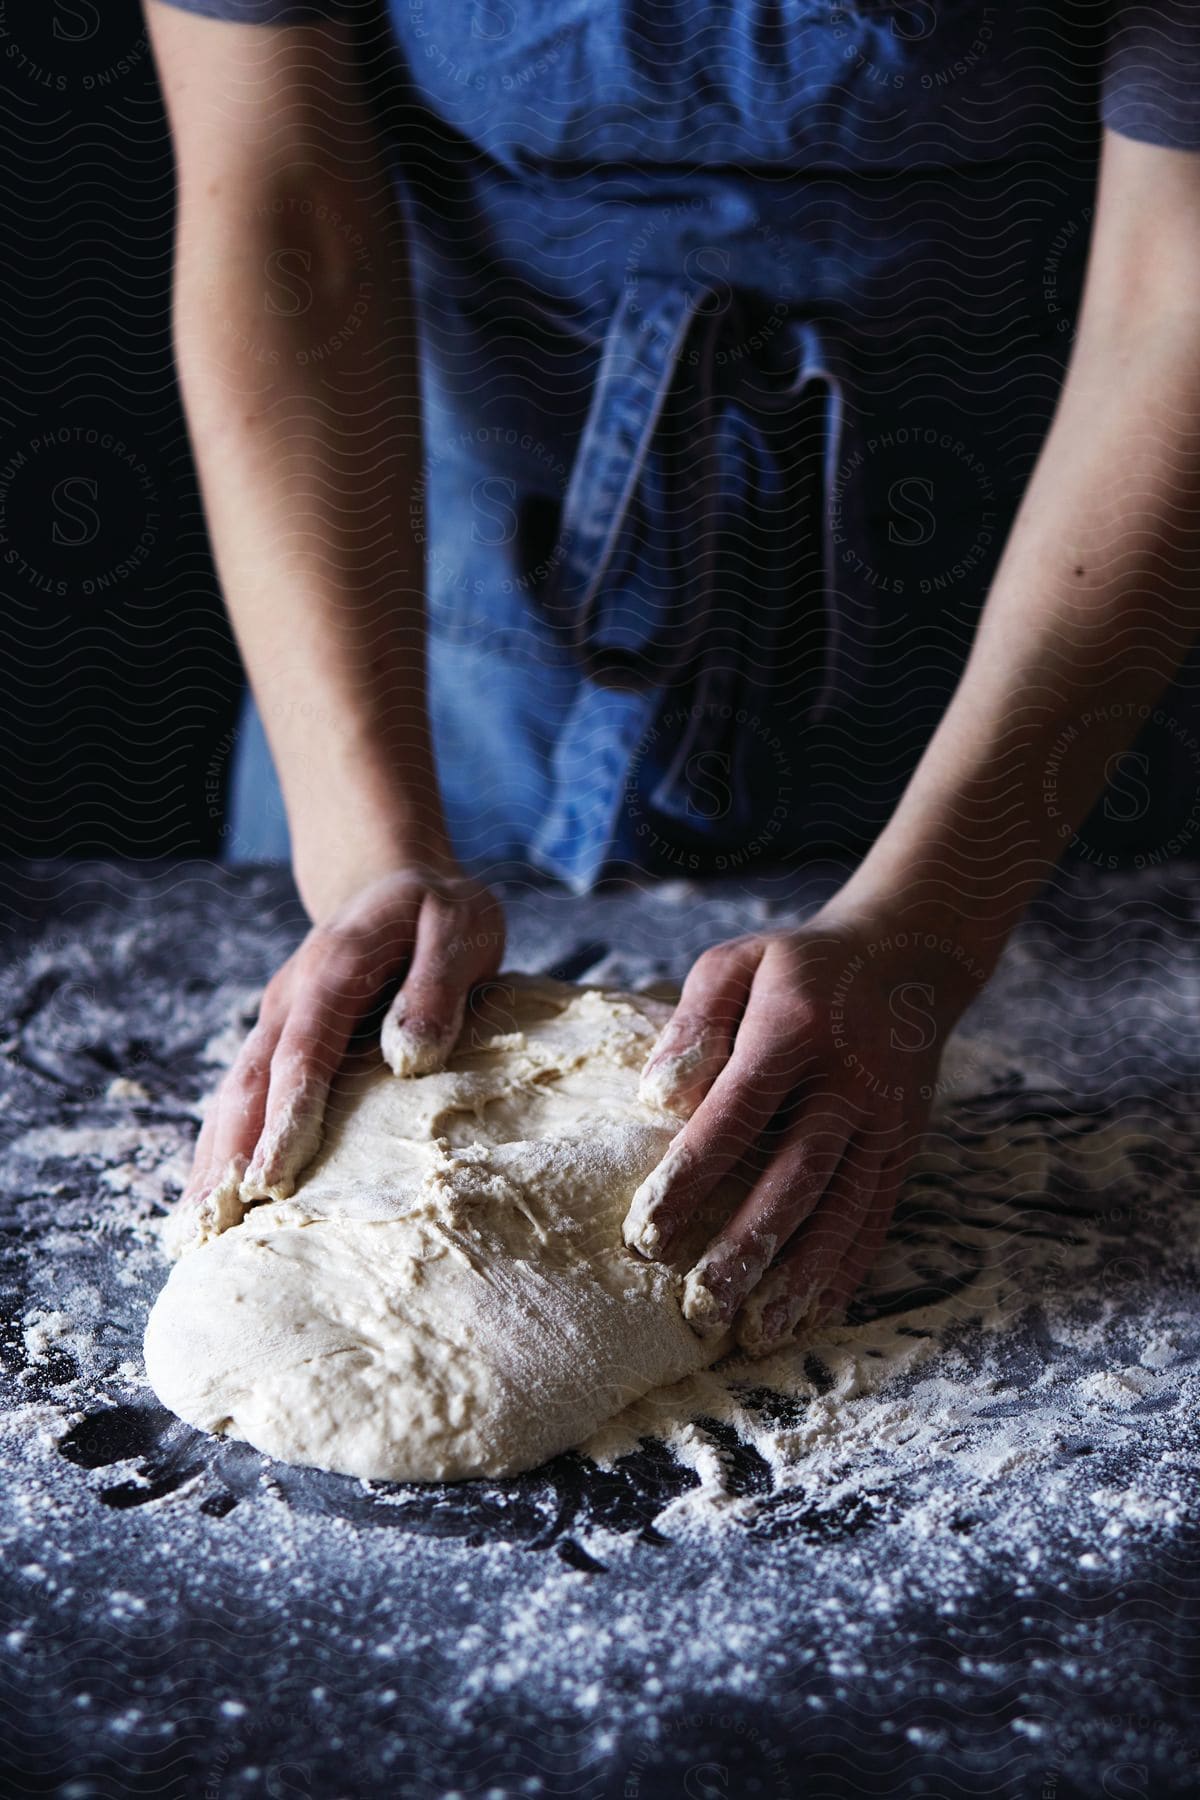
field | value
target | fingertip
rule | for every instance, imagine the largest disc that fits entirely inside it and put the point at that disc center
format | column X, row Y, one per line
column 648, row 1226
column 412, row 1044
column 408, row 1052
column 701, row 1304
column 774, row 1314
column 204, row 1211
column 414, row 1040
column 667, row 1082
column 641, row 1232
column 729, row 1270
column 289, row 1142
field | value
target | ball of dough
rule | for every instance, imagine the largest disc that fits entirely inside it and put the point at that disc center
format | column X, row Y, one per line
column 447, row 1293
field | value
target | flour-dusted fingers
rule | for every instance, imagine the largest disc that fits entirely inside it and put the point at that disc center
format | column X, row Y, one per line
column 785, row 1194
column 459, row 941
column 863, row 1253
column 211, row 1197
column 791, row 1294
column 336, row 975
column 200, row 1173
column 695, row 1043
column 857, row 1264
column 724, row 1129
column 239, row 1108
column 233, row 1117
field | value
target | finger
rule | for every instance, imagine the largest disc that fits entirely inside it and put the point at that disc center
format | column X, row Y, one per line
column 211, row 1153
column 211, row 1200
column 784, row 1195
column 863, row 1254
column 790, row 1295
column 198, row 1174
column 857, row 1264
column 233, row 1116
column 242, row 1101
column 696, row 1041
column 337, row 976
column 455, row 946
column 724, row 1128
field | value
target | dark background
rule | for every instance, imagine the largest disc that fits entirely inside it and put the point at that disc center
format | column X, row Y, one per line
column 119, row 677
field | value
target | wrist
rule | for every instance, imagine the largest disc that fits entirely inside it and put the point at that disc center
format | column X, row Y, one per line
column 339, row 850
column 921, row 938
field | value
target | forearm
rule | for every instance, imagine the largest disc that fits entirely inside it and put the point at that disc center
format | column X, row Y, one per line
column 302, row 403
column 1092, row 609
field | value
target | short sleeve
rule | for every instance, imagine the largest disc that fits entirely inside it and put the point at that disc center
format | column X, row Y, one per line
column 1151, row 81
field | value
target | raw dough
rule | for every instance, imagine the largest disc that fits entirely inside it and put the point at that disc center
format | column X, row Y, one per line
column 446, row 1293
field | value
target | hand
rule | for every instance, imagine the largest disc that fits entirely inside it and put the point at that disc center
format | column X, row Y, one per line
column 814, row 1052
column 436, row 933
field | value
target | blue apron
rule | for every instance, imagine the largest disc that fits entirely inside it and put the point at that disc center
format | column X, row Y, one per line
column 730, row 393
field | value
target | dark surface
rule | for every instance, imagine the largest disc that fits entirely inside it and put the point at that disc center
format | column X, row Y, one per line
column 187, row 1618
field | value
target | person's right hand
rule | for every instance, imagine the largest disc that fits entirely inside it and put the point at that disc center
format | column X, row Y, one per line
column 433, row 934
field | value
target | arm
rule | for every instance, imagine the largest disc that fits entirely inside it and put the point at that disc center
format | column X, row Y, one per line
column 821, row 1046
column 287, row 243
column 295, row 349
column 1097, row 597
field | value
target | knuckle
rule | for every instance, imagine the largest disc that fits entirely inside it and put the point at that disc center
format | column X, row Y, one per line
column 759, row 1063
column 347, row 964
column 719, row 958
column 336, row 940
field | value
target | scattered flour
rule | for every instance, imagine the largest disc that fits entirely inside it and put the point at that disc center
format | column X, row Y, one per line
column 893, row 1526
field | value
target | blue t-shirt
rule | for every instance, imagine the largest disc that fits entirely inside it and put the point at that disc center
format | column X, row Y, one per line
column 741, row 326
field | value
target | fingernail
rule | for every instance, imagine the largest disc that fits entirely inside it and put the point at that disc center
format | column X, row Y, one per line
column 643, row 1228
column 286, row 1148
column 666, row 1074
column 410, row 1051
column 414, row 1046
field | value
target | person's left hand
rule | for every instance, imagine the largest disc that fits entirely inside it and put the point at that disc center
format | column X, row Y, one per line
column 816, row 1051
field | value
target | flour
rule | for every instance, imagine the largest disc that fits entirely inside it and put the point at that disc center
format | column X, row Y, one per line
column 981, row 1526
column 854, row 1429
column 446, row 1292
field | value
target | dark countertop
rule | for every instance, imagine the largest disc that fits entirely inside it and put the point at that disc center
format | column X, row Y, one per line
column 995, row 1589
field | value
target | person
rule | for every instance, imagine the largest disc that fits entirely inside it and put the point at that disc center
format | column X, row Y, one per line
column 658, row 437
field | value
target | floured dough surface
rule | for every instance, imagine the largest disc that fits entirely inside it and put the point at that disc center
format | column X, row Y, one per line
column 446, row 1293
